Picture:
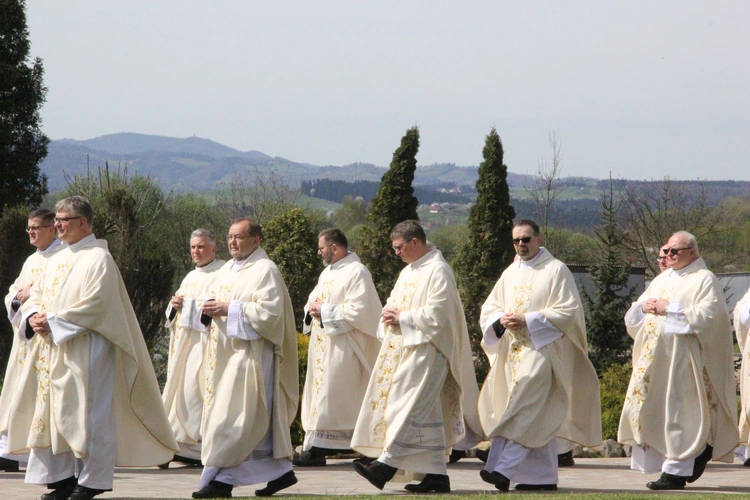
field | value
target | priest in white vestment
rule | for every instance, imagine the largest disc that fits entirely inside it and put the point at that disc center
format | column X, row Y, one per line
column 541, row 386
column 98, row 403
column 42, row 235
column 341, row 316
column 251, row 373
column 680, row 408
column 421, row 398
column 741, row 329
column 183, row 392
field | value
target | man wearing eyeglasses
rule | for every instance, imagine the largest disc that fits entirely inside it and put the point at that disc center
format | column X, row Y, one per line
column 41, row 229
column 341, row 317
column 97, row 399
column 741, row 328
column 183, row 392
column 421, row 398
column 250, row 369
column 661, row 259
column 542, row 385
column 680, row 408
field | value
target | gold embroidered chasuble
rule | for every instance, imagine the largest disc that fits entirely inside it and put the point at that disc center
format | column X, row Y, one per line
column 531, row 396
column 23, row 355
column 340, row 362
column 681, row 382
column 84, row 288
column 183, row 392
column 741, row 331
column 236, row 415
column 427, row 290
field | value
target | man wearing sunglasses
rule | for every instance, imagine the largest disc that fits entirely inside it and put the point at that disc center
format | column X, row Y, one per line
column 680, row 408
column 542, row 385
column 41, row 229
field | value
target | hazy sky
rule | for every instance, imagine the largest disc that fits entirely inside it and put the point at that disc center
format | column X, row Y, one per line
column 641, row 88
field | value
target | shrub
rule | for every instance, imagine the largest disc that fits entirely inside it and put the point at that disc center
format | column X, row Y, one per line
column 613, row 386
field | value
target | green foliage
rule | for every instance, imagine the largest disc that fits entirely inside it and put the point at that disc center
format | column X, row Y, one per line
column 573, row 247
column 303, row 343
column 394, row 203
column 291, row 242
column 14, row 249
column 489, row 248
column 606, row 307
column 613, row 385
column 22, row 144
column 449, row 239
column 352, row 212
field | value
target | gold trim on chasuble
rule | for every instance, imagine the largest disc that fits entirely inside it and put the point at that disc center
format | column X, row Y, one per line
column 519, row 339
column 320, row 342
column 223, row 295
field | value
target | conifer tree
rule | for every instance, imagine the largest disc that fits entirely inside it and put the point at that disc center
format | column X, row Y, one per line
column 611, row 298
column 394, row 203
column 489, row 249
column 22, row 144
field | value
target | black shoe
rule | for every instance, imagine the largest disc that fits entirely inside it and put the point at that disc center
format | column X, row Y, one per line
column 668, row 482
column 566, row 459
column 214, row 489
column 439, row 483
column 163, row 466
column 364, row 460
column 482, row 454
column 279, row 484
column 61, row 490
column 8, row 465
column 84, row 493
column 700, row 463
column 536, row 487
column 501, row 482
column 746, row 463
column 377, row 472
column 307, row 459
column 187, row 461
column 456, row 455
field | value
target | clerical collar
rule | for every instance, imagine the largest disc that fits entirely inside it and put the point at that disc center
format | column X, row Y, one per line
column 80, row 244
column 340, row 262
column 528, row 264
column 423, row 258
column 50, row 248
column 202, row 269
column 681, row 272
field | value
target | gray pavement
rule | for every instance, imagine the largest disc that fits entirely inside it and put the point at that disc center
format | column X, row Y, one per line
column 338, row 478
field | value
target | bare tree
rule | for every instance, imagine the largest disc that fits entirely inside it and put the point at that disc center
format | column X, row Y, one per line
column 547, row 186
column 256, row 194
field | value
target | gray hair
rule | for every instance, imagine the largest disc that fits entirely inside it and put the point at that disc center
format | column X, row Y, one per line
column 408, row 230
column 207, row 234
column 78, row 206
column 691, row 241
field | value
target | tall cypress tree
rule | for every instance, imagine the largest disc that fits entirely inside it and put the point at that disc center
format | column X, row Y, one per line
column 394, row 203
column 489, row 249
column 22, row 93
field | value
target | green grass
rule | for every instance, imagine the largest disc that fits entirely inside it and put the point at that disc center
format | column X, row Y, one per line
column 535, row 496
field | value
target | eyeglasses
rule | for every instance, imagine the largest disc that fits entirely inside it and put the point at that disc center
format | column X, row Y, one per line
column 397, row 248
column 674, row 251
column 35, row 228
column 65, row 219
column 517, row 241
column 232, row 237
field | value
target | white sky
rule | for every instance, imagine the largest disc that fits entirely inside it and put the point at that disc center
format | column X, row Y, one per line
column 641, row 88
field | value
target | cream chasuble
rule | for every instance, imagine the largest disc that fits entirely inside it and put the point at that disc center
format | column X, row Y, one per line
column 533, row 395
column 392, row 417
column 236, row 416
column 84, row 288
column 183, row 394
column 741, row 328
column 682, row 391
column 19, row 384
column 341, row 353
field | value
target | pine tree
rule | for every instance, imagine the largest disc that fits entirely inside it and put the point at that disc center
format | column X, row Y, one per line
column 489, row 249
column 607, row 305
column 394, row 203
column 22, row 93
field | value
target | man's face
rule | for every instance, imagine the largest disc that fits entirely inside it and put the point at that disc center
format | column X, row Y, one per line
column 70, row 228
column 684, row 255
column 662, row 259
column 201, row 251
column 41, row 234
column 527, row 245
column 407, row 250
column 240, row 243
column 326, row 251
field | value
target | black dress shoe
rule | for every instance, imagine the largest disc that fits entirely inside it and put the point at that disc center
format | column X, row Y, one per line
column 456, row 455
column 566, row 459
column 439, row 483
column 668, row 482
column 8, row 465
column 307, row 459
column 746, row 463
column 214, row 489
column 187, row 461
column 377, row 472
column 84, row 493
column 279, row 484
column 61, row 490
column 482, row 454
column 536, row 487
column 364, row 460
column 501, row 482
column 699, row 466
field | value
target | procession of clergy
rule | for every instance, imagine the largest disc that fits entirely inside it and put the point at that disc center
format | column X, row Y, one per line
column 394, row 383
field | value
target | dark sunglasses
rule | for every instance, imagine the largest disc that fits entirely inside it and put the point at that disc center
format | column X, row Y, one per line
column 525, row 240
column 674, row 251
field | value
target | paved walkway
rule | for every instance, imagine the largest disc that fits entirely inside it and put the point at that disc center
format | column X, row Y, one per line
column 338, row 478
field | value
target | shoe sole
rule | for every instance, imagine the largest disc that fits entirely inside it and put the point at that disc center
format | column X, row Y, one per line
column 362, row 471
